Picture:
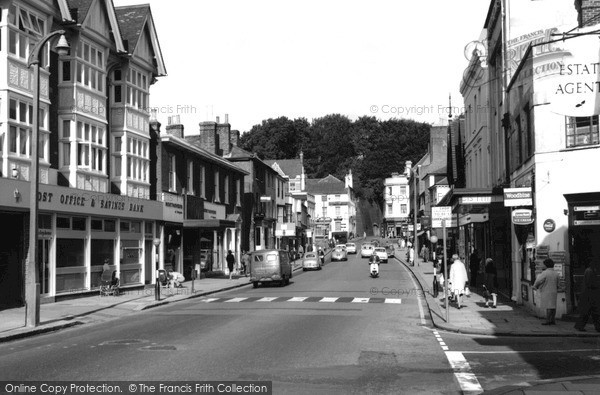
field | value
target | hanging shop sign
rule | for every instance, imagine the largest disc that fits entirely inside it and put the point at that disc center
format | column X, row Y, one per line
column 549, row 225
column 586, row 215
column 518, row 197
column 522, row 216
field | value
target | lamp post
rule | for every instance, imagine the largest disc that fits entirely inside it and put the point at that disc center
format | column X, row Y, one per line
column 32, row 286
column 156, row 243
column 416, row 240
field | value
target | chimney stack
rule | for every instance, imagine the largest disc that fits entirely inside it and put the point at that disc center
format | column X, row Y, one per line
column 174, row 127
column 407, row 167
column 223, row 145
column 587, row 12
column 208, row 136
column 235, row 138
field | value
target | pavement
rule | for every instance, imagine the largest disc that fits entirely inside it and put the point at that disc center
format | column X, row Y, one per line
column 508, row 319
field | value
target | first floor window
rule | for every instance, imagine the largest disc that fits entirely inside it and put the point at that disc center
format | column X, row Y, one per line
column 582, row 131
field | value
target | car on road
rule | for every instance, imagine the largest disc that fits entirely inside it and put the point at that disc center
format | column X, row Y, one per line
column 351, row 248
column 381, row 253
column 339, row 253
column 390, row 250
column 311, row 262
column 366, row 250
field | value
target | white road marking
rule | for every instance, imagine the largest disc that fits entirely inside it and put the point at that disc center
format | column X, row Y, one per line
column 445, row 348
column 235, row 300
column 462, row 371
column 298, row 299
column 267, row 299
column 328, row 300
column 396, row 301
column 360, row 300
column 209, row 300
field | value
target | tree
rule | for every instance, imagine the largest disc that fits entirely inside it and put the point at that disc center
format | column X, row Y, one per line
column 279, row 138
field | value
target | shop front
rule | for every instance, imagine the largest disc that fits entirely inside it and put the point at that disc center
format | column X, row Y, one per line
column 79, row 231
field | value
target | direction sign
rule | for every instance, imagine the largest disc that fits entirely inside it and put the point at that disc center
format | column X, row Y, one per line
column 441, row 213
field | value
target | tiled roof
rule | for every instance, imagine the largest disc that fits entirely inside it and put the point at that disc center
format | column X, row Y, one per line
column 132, row 20
column 237, row 152
column 325, row 186
column 290, row 167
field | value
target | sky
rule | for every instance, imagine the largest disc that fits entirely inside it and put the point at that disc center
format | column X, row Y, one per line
column 261, row 59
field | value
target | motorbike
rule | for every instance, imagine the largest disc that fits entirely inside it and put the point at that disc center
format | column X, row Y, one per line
column 374, row 268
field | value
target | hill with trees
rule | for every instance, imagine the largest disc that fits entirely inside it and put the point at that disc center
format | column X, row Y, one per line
column 333, row 144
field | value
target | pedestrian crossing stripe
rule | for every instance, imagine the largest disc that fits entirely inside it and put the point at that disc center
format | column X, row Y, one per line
column 306, row 299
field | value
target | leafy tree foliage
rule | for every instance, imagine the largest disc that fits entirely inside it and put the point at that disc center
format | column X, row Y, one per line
column 334, row 144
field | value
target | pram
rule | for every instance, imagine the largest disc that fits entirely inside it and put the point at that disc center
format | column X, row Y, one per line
column 109, row 283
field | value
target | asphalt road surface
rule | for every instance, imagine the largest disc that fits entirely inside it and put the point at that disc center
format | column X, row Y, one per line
column 330, row 331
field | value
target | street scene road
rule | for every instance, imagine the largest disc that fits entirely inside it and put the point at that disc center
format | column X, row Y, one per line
column 334, row 330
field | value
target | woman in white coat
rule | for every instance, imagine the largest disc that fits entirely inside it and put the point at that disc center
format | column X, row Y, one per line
column 547, row 284
column 458, row 278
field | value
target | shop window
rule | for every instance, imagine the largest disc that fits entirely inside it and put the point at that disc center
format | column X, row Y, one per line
column 110, row 225
column 78, row 223
column 581, row 131
column 124, row 226
column 45, row 221
column 102, row 250
column 70, row 265
column 136, row 227
column 63, row 222
column 149, row 228
column 257, row 238
column 97, row 224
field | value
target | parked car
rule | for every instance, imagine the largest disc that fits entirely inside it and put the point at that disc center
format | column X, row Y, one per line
column 390, row 250
column 311, row 262
column 268, row 266
column 339, row 253
column 381, row 253
column 351, row 248
column 366, row 250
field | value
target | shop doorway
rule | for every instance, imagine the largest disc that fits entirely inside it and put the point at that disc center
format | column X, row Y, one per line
column 148, row 261
column 12, row 292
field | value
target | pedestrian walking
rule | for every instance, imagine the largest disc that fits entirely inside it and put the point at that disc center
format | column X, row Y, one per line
column 402, row 243
column 547, row 284
column 230, row 263
column 246, row 263
column 474, row 263
column 300, row 251
column 411, row 256
column 491, row 283
column 458, row 279
column 589, row 300
column 425, row 253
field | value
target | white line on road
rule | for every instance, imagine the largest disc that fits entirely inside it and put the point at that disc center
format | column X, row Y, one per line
column 360, row 300
column 328, row 300
column 235, row 300
column 396, row 301
column 267, row 299
column 298, row 299
column 462, row 371
column 209, row 300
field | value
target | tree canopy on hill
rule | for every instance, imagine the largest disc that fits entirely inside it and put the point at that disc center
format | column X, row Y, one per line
column 334, row 144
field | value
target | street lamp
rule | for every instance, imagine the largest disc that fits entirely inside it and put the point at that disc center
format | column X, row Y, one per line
column 32, row 286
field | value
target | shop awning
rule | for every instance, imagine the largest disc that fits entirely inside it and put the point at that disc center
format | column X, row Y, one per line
column 208, row 223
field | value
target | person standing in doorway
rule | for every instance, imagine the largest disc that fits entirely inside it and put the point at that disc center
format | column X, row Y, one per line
column 547, row 284
column 230, row 263
column 474, row 262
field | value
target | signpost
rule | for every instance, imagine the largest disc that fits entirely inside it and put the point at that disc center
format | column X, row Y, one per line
column 443, row 214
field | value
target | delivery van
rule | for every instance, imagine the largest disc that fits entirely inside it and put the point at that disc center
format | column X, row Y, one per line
column 269, row 266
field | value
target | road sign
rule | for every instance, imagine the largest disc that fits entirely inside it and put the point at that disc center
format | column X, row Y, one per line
column 441, row 213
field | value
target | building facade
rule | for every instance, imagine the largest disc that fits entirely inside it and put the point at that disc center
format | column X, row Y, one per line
column 397, row 205
column 95, row 204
